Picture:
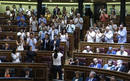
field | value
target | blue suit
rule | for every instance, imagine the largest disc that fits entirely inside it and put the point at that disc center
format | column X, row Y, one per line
column 80, row 79
column 106, row 66
column 96, row 66
column 56, row 45
column 42, row 20
column 112, row 53
column 94, row 79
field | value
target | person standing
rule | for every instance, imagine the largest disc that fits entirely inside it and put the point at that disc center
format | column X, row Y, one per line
column 15, row 56
column 104, row 17
column 32, row 41
column 30, row 55
column 108, row 35
column 34, row 24
column 57, row 64
column 78, row 21
column 122, row 34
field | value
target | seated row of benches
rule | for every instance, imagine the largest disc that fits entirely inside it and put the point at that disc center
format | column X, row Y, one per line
column 68, row 68
column 69, row 71
column 39, row 71
column 88, row 58
column 94, row 46
column 103, row 46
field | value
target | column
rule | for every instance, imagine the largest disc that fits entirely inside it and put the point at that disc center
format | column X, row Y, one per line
column 80, row 7
column 122, row 12
column 39, row 8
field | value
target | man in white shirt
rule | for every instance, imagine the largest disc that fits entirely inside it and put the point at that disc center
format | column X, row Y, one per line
column 90, row 36
column 122, row 52
column 87, row 50
column 32, row 41
column 78, row 21
column 108, row 35
column 122, row 34
column 70, row 27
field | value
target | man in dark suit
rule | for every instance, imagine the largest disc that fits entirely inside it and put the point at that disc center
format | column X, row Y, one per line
column 6, row 47
column 120, row 67
column 55, row 43
column 77, row 77
column 46, row 43
column 30, row 55
column 56, row 10
column 91, row 77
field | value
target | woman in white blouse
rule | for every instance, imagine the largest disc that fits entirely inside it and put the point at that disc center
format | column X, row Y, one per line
column 34, row 24
column 63, row 36
column 98, row 36
column 15, row 56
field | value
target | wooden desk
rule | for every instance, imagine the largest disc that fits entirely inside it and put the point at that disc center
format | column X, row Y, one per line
column 71, row 43
column 102, row 45
column 70, row 69
column 39, row 70
column 12, row 35
column 11, row 43
column 13, row 28
column 15, row 79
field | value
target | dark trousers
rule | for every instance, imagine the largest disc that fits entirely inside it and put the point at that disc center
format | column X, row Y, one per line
column 57, row 69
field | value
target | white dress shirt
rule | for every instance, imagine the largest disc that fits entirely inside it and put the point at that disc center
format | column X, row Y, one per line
column 123, row 53
column 109, row 37
column 90, row 36
column 16, row 57
column 85, row 51
column 78, row 22
column 98, row 37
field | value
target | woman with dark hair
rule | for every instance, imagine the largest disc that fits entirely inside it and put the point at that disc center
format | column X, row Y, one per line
column 64, row 35
column 57, row 62
column 15, row 56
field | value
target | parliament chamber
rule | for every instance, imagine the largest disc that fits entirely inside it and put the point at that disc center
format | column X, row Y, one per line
column 64, row 40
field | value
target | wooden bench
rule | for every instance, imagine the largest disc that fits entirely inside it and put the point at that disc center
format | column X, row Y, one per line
column 15, row 79
column 11, row 43
column 39, row 70
column 104, row 57
column 38, row 59
column 13, row 28
column 71, row 43
column 11, row 35
column 70, row 69
column 102, row 45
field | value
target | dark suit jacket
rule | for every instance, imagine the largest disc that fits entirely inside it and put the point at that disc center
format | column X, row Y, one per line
column 89, row 78
column 54, row 11
column 30, row 56
column 122, row 69
column 80, row 79
column 6, row 49
column 47, row 45
column 57, row 44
